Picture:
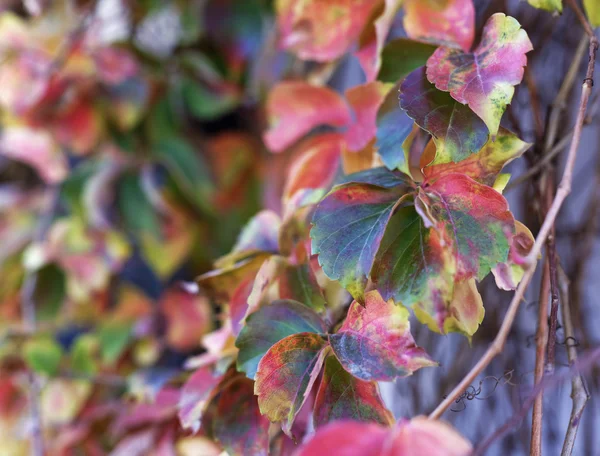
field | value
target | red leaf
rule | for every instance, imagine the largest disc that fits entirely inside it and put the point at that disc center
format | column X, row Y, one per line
column 194, row 395
column 188, row 318
column 321, row 30
column 316, row 165
column 294, row 108
column 448, row 22
column 365, row 100
column 417, row 437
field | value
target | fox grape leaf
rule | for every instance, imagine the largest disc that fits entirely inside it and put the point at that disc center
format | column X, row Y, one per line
column 419, row 436
column 485, row 165
column 485, row 78
column 237, row 423
column 321, row 30
column 270, row 324
column 286, row 375
column 475, row 218
column 447, row 22
column 344, row 397
column 365, row 101
column 549, row 5
column 295, row 107
column 347, row 227
column 456, row 130
column 375, row 342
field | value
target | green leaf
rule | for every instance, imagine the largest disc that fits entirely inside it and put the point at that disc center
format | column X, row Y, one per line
column 592, row 8
column 137, row 211
column 270, row 324
column 401, row 56
column 207, row 103
column 189, row 171
column 50, row 292
column 554, row 6
column 412, row 266
column 83, row 355
column 43, row 355
column 114, row 338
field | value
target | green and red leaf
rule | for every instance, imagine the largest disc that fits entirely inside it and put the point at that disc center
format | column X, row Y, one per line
column 286, row 375
column 508, row 274
column 456, row 130
column 485, row 78
column 483, row 166
column 270, row 324
column 344, row 397
column 375, row 342
column 348, row 226
column 475, row 219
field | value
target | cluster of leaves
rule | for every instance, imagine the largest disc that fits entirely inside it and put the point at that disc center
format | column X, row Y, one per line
column 119, row 180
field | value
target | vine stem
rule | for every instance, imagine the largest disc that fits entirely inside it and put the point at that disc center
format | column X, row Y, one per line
column 579, row 394
column 541, row 338
column 563, row 191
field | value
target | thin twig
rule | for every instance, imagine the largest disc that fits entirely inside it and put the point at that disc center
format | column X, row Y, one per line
column 564, row 189
column 581, row 365
column 552, row 268
column 578, row 391
column 541, row 337
column 582, row 19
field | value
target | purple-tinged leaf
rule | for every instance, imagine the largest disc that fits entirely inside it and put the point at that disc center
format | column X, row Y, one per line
column 375, row 342
column 456, row 130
